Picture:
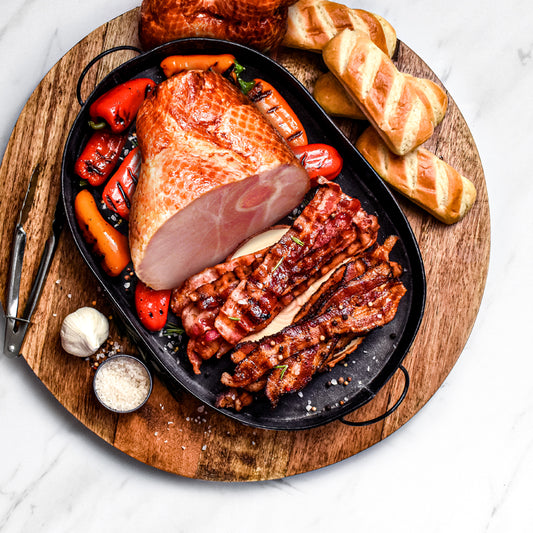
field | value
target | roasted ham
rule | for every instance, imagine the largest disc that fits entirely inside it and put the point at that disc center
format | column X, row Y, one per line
column 259, row 24
column 213, row 172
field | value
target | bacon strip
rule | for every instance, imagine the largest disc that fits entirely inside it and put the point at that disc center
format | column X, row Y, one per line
column 328, row 225
column 182, row 295
column 199, row 299
column 369, row 302
column 296, row 371
column 281, row 364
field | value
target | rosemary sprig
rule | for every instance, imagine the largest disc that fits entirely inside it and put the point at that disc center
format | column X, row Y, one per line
column 173, row 329
column 283, row 370
column 277, row 264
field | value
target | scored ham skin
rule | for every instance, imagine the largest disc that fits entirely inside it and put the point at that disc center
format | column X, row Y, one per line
column 213, row 172
column 259, row 24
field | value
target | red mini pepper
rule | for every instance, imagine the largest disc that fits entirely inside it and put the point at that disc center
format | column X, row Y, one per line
column 152, row 306
column 99, row 157
column 119, row 190
column 119, row 106
column 319, row 160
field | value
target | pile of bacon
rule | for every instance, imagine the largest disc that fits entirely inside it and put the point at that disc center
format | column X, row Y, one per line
column 327, row 267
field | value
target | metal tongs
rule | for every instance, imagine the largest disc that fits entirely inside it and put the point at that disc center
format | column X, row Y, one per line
column 11, row 325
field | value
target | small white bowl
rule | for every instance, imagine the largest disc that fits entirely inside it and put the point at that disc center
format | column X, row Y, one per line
column 122, row 383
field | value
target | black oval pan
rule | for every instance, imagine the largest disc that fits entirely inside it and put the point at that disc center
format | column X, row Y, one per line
column 382, row 351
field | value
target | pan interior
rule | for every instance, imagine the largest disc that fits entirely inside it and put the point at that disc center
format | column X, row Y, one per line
column 377, row 358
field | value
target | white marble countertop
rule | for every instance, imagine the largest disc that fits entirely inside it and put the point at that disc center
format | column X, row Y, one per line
column 463, row 463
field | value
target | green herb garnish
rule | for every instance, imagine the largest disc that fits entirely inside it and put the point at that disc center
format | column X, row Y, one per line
column 297, row 240
column 173, row 329
column 234, row 318
column 277, row 264
column 97, row 125
column 283, row 370
column 245, row 86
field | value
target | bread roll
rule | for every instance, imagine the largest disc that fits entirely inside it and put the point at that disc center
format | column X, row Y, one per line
column 436, row 95
column 312, row 23
column 333, row 98
column 422, row 177
column 391, row 100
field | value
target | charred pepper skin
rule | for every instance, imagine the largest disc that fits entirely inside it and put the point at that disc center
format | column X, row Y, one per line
column 99, row 157
column 278, row 112
column 119, row 190
column 151, row 306
column 108, row 244
column 319, row 160
column 119, row 106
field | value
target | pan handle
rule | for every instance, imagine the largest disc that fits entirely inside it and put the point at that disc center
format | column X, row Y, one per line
column 95, row 60
column 389, row 411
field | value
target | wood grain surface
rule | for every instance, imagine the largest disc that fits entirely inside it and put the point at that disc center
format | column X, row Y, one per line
column 178, row 434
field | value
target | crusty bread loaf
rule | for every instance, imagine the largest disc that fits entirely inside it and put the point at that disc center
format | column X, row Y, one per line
column 436, row 95
column 332, row 96
column 392, row 101
column 312, row 23
column 334, row 99
column 421, row 176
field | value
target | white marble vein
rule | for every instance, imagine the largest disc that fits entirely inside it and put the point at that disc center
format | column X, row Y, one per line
column 464, row 463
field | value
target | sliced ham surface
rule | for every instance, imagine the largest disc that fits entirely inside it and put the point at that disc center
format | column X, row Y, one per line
column 213, row 172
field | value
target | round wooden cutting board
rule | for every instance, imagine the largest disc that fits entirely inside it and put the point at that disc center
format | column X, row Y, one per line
column 177, row 433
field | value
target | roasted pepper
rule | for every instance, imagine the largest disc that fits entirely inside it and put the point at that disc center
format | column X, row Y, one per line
column 99, row 157
column 152, row 306
column 118, row 107
column 107, row 242
column 319, row 160
column 270, row 102
column 219, row 63
column 119, row 190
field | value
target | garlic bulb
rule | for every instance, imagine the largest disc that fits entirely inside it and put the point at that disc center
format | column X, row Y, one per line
column 84, row 331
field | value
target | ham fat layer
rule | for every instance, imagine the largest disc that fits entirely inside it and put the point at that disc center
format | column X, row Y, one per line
column 214, row 172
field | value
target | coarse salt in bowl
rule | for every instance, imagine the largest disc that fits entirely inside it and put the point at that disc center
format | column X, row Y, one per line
column 122, row 383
